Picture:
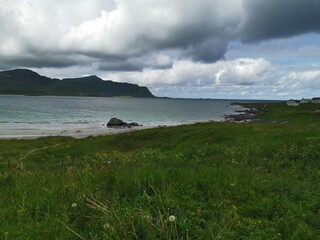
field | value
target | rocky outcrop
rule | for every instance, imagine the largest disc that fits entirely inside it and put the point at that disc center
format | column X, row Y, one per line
column 248, row 115
column 115, row 122
column 240, row 118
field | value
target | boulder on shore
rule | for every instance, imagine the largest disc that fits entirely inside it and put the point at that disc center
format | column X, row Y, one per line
column 115, row 122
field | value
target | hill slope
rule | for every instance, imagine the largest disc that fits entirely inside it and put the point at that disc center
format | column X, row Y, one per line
column 27, row 82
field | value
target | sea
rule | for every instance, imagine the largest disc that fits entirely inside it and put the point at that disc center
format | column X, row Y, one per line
column 60, row 113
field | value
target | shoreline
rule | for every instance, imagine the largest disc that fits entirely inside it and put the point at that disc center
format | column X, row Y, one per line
column 83, row 132
column 74, row 133
column 78, row 133
column 247, row 115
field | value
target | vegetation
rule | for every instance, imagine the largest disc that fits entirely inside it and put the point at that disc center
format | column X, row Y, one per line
column 204, row 181
column 26, row 82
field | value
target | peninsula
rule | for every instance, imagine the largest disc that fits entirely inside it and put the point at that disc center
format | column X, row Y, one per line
column 27, row 82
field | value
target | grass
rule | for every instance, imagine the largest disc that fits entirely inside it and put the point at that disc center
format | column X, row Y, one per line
column 220, row 181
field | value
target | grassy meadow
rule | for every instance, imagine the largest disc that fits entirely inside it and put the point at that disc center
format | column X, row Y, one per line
column 219, row 180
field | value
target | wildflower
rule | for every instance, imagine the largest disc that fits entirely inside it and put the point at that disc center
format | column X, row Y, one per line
column 172, row 218
column 74, row 205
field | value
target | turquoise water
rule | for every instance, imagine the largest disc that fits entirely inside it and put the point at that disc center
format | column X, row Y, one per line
column 51, row 112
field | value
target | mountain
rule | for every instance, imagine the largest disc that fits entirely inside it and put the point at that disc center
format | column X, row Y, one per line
column 27, row 82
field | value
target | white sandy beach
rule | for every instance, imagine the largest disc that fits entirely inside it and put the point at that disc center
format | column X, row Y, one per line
column 75, row 133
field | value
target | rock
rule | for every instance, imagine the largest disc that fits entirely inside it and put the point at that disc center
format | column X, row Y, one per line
column 247, row 115
column 115, row 122
column 251, row 111
column 241, row 118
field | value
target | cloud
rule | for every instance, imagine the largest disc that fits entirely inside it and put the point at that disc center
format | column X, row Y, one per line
column 301, row 80
column 242, row 46
column 152, row 61
column 116, row 33
column 246, row 78
column 244, row 71
column 37, row 61
column 30, row 30
column 209, row 50
column 136, row 28
column 264, row 20
column 236, row 74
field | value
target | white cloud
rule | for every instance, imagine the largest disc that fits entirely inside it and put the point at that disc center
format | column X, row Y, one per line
column 244, row 71
column 39, row 25
column 239, row 76
column 301, row 80
column 172, row 46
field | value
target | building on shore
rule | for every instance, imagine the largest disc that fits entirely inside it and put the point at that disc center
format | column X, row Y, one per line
column 305, row 100
column 316, row 100
column 293, row 103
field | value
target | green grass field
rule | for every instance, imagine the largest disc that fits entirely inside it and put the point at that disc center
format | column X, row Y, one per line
column 220, row 180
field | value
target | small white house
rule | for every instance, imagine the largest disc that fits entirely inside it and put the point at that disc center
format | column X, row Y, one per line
column 305, row 100
column 293, row 103
column 315, row 100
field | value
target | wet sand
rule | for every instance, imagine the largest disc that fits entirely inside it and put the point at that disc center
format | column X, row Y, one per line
column 75, row 133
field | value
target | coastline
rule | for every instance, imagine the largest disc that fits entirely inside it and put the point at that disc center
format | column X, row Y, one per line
column 79, row 133
column 246, row 115
column 74, row 133
column 83, row 132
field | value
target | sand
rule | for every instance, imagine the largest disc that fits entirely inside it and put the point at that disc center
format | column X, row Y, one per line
column 75, row 133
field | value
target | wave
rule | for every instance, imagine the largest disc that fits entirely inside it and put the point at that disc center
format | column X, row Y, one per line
column 27, row 122
column 77, row 122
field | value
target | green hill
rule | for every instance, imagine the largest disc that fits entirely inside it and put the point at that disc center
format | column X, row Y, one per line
column 27, row 82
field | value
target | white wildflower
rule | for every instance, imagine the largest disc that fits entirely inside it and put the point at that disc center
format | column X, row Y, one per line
column 172, row 218
column 74, row 205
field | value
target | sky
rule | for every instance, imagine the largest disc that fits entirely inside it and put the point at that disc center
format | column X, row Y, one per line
column 231, row 49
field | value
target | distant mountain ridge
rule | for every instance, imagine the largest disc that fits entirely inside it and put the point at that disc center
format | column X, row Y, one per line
column 27, row 82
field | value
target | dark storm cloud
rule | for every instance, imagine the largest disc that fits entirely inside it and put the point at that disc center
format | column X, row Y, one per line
column 130, row 66
column 130, row 35
column 198, row 29
column 153, row 61
column 34, row 61
column 269, row 19
column 120, row 67
column 207, row 51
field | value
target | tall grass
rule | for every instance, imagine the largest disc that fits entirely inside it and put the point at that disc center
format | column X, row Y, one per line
column 219, row 181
